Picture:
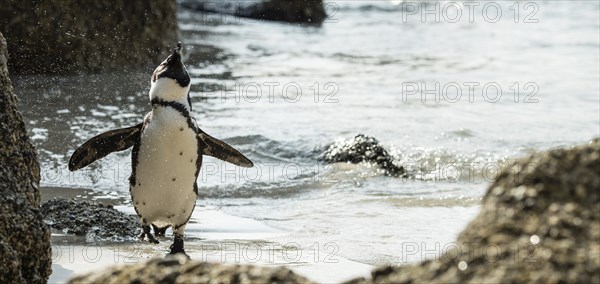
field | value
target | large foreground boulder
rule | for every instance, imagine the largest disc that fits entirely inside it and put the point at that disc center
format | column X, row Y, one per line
column 178, row 269
column 47, row 36
column 25, row 255
column 539, row 222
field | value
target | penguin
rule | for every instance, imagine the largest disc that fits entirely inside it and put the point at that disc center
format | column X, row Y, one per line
column 167, row 154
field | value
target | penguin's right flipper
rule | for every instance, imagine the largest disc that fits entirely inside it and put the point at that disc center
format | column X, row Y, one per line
column 216, row 148
column 99, row 146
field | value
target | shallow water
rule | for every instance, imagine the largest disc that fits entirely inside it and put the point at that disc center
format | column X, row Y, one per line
column 364, row 64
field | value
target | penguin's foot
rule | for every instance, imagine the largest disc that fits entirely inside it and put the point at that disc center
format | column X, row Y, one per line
column 181, row 253
column 152, row 240
column 177, row 246
column 147, row 233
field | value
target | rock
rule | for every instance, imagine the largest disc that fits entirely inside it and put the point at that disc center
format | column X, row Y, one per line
column 292, row 11
column 25, row 252
column 359, row 149
column 46, row 38
column 178, row 269
column 94, row 220
column 539, row 222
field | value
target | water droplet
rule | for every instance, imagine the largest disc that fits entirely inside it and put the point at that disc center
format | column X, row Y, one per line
column 462, row 265
column 534, row 239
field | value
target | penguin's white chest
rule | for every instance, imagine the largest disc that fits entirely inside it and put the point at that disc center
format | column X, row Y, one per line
column 163, row 193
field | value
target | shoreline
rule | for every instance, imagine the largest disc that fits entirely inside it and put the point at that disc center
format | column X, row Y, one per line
column 211, row 236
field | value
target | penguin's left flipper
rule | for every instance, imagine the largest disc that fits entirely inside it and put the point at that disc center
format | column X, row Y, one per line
column 101, row 145
column 216, row 148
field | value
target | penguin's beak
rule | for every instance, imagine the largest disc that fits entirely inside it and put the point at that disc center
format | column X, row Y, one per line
column 174, row 60
column 173, row 68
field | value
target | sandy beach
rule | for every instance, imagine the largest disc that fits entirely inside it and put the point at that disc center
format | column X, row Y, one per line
column 211, row 236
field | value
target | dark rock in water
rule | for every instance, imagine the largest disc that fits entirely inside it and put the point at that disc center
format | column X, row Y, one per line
column 178, row 269
column 47, row 38
column 292, row 11
column 96, row 221
column 25, row 255
column 539, row 222
column 359, row 149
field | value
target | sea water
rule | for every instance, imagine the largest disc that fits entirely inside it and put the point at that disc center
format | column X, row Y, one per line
column 453, row 99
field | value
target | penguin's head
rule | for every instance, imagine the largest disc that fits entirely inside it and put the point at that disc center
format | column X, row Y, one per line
column 170, row 80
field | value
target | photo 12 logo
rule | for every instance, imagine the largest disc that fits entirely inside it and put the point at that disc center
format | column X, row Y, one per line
column 290, row 92
column 454, row 92
column 470, row 11
column 465, row 253
column 224, row 252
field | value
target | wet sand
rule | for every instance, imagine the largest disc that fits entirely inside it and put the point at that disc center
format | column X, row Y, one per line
column 211, row 236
